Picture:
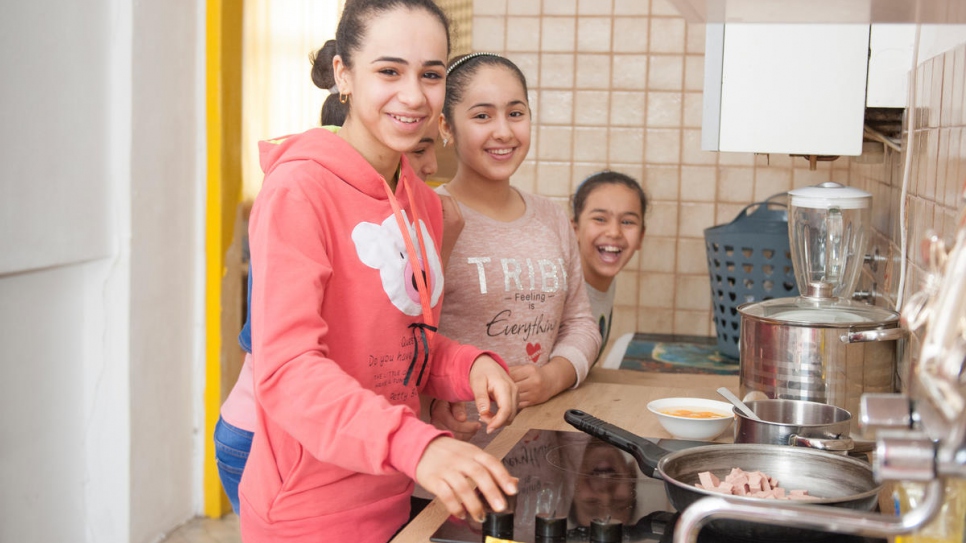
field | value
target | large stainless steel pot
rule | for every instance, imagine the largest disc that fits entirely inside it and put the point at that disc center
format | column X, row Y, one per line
column 823, row 350
column 838, row 481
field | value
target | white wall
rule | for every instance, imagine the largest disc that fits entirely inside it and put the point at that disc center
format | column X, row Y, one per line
column 102, row 145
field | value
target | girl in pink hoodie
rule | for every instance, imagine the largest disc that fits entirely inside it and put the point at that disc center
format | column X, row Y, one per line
column 346, row 294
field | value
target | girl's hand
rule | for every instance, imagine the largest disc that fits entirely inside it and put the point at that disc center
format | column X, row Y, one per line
column 538, row 384
column 490, row 382
column 453, row 470
column 452, row 417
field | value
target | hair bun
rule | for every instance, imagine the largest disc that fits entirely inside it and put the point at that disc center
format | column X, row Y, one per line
column 322, row 74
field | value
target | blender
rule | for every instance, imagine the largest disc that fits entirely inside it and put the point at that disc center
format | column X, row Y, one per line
column 821, row 346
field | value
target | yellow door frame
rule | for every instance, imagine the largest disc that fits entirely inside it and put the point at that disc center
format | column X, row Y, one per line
column 223, row 55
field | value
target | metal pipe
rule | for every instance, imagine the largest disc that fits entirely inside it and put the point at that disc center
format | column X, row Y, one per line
column 812, row 517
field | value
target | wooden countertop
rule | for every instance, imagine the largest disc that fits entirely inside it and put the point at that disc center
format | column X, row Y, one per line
column 615, row 396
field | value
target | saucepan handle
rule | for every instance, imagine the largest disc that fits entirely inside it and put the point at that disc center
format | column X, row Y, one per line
column 645, row 452
column 843, row 444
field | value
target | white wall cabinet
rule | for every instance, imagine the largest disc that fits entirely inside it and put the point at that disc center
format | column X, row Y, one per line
column 785, row 88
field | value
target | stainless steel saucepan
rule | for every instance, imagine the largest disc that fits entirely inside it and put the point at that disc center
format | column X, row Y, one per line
column 837, row 481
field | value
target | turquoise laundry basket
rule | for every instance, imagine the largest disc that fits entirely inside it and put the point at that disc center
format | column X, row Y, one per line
column 749, row 261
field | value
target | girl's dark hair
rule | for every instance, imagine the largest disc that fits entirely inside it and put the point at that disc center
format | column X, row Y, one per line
column 606, row 177
column 357, row 13
column 460, row 74
column 323, row 75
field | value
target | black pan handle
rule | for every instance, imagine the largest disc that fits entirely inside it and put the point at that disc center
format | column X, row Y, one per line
column 647, row 453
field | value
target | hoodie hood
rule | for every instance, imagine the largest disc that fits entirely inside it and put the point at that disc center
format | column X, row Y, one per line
column 324, row 147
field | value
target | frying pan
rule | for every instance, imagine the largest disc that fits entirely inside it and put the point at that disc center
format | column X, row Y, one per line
column 837, row 481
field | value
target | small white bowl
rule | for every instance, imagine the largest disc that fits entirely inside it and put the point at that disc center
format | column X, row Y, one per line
column 693, row 428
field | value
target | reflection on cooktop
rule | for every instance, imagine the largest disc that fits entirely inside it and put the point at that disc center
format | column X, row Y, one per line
column 573, row 476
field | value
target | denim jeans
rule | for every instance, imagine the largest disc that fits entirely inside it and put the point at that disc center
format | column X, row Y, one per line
column 232, row 446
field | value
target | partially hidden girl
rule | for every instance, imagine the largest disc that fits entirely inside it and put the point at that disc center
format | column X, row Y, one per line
column 609, row 209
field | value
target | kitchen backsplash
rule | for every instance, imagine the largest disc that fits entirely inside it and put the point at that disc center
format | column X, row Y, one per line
column 617, row 84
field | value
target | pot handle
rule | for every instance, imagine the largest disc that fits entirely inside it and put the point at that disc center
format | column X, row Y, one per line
column 821, row 443
column 645, row 452
column 879, row 334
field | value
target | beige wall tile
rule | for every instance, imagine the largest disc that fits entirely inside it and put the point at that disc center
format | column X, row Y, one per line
column 525, row 178
column 522, row 7
column 590, row 144
column 560, row 7
column 595, row 7
column 558, row 34
column 656, row 290
column 490, row 7
column 591, row 108
column 553, row 179
column 629, row 72
column 667, row 35
column 634, row 170
column 523, row 34
column 664, row 109
column 625, row 320
column 694, row 219
column 660, row 253
column 556, row 107
column 692, row 323
column 594, row 34
column 693, row 104
column 630, row 35
column 736, row 184
column 666, row 73
column 803, row 177
column 663, row 8
column 631, row 7
column 663, row 219
column 694, row 72
column 555, row 143
column 771, row 180
column 529, row 64
column 692, row 256
column 663, row 146
column 662, row 182
column 736, row 159
column 583, row 170
column 693, row 292
column 691, row 152
column 627, row 286
column 625, row 144
column 557, row 71
column 694, row 40
column 699, row 184
column 627, row 109
column 489, row 33
column 593, row 71
column 656, row 321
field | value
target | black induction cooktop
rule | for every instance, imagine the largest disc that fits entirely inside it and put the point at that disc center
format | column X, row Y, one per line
column 576, row 479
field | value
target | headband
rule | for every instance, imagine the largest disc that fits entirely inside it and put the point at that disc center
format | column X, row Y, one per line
column 463, row 60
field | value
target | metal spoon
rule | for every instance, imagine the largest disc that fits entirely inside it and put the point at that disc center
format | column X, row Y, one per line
column 738, row 403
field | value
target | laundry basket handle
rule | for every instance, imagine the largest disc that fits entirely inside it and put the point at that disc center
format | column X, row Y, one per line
column 766, row 202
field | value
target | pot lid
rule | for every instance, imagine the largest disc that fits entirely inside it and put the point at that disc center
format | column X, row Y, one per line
column 828, row 195
column 831, row 312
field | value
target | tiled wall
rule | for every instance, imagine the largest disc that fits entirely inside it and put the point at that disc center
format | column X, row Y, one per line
column 617, row 84
column 937, row 173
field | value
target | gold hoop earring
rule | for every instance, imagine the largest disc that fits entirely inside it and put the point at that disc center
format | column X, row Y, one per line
column 343, row 98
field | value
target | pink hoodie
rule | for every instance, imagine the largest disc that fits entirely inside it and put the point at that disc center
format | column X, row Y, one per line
column 338, row 437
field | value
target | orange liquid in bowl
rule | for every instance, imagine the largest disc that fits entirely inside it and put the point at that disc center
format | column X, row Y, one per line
column 693, row 413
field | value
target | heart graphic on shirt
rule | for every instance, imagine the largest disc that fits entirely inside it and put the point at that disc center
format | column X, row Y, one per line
column 533, row 351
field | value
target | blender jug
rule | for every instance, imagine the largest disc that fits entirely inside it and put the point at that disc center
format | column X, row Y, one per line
column 827, row 234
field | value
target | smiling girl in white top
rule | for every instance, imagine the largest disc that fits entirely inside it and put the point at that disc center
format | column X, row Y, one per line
column 513, row 282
